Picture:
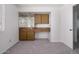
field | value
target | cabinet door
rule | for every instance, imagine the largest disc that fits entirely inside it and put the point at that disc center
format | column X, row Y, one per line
column 30, row 34
column 22, row 34
column 38, row 19
column 45, row 18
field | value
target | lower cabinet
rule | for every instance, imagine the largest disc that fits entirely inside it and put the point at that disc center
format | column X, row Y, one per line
column 26, row 34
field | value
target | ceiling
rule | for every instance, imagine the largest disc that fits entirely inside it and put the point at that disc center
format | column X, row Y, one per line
column 50, row 5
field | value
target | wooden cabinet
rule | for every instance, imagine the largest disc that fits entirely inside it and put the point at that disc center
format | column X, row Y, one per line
column 37, row 19
column 26, row 34
column 30, row 34
column 45, row 18
column 41, row 18
column 22, row 34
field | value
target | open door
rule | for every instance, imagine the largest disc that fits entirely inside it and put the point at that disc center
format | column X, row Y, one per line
column 76, row 26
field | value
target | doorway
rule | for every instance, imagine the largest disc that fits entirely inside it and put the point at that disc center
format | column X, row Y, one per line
column 76, row 26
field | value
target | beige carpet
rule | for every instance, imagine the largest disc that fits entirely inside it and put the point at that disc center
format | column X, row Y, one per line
column 39, row 47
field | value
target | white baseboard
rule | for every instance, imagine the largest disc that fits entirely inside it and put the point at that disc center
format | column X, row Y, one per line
column 3, row 51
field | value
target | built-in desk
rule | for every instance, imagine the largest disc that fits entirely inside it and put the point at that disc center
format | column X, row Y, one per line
column 42, row 29
column 26, row 33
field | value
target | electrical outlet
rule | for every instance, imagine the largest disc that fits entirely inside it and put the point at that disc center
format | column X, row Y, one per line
column 10, row 40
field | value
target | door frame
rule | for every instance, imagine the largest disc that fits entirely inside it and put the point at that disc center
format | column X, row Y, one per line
column 74, row 28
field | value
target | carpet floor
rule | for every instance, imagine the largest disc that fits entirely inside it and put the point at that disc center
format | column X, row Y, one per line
column 40, row 47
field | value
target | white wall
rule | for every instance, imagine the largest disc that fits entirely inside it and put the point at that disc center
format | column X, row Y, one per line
column 54, row 17
column 1, row 7
column 9, row 36
column 66, row 25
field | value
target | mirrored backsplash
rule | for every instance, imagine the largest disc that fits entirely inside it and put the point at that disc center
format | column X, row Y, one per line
column 26, row 21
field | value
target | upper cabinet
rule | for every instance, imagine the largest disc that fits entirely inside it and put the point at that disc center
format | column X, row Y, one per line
column 37, row 19
column 45, row 19
column 41, row 19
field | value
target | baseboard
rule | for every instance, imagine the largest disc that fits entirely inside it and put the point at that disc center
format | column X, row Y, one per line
column 53, row 41
column 4, row 51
